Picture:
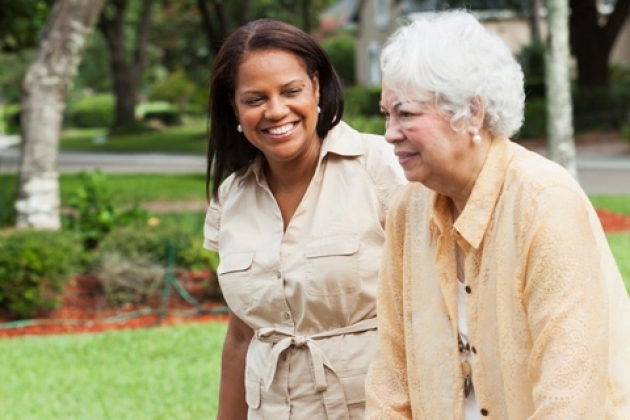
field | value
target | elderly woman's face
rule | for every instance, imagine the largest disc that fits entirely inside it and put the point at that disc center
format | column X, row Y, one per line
column 276, row 105
column 428, row 148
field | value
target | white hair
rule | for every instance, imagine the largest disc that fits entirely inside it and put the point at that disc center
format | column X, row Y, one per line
column 451, row 59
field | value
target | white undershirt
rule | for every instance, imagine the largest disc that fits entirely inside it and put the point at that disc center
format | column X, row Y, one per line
column 471, row 410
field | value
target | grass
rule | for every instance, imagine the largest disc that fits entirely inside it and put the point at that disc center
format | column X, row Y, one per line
column 615, row 203
column 128, row 188
column 164, row 373
column 620, row 246
column 184, row 140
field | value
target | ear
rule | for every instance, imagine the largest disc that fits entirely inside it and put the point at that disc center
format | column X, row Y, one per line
column 477, row 113
column 315, row 81
column 235, row 109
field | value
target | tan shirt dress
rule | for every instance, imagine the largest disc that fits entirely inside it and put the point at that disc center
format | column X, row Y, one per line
column 309, row 292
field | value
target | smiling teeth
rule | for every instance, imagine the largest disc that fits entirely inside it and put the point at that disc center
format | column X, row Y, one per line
column 280, row 130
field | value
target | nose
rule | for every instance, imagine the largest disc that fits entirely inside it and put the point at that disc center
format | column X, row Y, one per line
column 276, row 109
column 393, row 132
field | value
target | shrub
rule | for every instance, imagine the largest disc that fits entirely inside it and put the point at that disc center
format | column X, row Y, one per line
column 373, row 125
column 535, row 124
column 151, row 243
column 601, row 108
column 126, row 280
column 532, row 60
column 11, row 119
column 146, row 241
column 341, row 51
column 363, row 101
column 92, row 111
column 7, row 197
column 177, row 88
column 169, row 117
column 93, row 212
column 34, row 267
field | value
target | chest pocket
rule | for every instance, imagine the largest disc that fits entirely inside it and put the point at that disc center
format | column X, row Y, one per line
column 333, row 265
column 235, row 278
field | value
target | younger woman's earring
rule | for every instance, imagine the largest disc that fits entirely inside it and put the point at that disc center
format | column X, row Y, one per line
column 319, row 110
column 239, row 128
column 476, row 138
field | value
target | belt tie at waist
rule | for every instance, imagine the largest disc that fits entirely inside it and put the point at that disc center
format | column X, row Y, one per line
column 319, row 361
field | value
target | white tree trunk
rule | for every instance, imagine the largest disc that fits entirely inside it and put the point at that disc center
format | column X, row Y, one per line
column 560, row 142
column 44, row 90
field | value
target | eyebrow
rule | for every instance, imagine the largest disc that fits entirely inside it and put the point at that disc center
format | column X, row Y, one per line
column 284, row 86
column 396, row 105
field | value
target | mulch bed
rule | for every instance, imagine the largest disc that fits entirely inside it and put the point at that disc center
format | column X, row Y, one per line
column 84, row 308
column 613, row 222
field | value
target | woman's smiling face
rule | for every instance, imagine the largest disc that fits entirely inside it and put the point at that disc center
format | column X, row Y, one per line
column 275, row 102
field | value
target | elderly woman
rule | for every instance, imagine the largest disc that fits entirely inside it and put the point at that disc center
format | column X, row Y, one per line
column 298, row 222
column 499, row 297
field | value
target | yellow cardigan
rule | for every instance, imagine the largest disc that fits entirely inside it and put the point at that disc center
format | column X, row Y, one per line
column 548, row 314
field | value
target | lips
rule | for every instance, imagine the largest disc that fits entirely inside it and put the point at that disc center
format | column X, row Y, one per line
column 405, row 157
column 283, row 129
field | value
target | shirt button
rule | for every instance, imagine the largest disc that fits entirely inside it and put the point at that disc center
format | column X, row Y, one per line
column 287, row 315
column 484, row 412
column 279, row 274
column 468, row 289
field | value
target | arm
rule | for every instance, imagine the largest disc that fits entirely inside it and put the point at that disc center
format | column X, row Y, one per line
column 567, row 311
column 387, row 395
column 232, row 405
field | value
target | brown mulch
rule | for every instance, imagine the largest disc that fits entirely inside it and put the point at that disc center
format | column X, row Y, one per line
column 613, row 222
column 84, row 309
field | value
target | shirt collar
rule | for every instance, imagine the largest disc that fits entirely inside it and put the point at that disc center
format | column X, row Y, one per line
column 342, row 140
column 474, row 220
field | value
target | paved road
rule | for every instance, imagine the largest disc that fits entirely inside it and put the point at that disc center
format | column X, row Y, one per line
column 114, row 163
column 598, row 174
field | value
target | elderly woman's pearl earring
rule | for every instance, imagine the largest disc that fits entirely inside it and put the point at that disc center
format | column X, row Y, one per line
column 239, row 128
column 476, row 138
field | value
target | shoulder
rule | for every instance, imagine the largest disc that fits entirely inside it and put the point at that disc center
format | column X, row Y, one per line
column 534, row 175
column 543, row 192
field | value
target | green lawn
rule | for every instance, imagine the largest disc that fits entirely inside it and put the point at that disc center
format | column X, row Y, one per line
column 128, row 188
column 184, row 140
column 615, row 203
column 164, row 373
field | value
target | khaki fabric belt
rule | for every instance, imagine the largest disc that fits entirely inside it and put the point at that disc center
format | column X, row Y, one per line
column 319, row 361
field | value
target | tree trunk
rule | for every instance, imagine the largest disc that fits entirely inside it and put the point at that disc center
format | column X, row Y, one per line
column 533, row 7
column 592, row 42
column 126, row 73
column 560, row 140
column 44, row 88
column 218, row 19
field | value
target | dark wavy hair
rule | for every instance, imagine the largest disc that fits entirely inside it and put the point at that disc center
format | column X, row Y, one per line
column 229, row 150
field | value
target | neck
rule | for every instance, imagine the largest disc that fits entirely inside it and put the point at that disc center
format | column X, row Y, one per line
column 460, row 188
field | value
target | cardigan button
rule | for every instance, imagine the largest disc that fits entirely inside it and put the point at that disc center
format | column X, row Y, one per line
column 474, row 350
column 484, row 412
column 468, row 289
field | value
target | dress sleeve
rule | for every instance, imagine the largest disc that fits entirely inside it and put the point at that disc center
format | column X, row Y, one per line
column 212, row 226
column 387, row 395
column 385, row 171
column 566, row 304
